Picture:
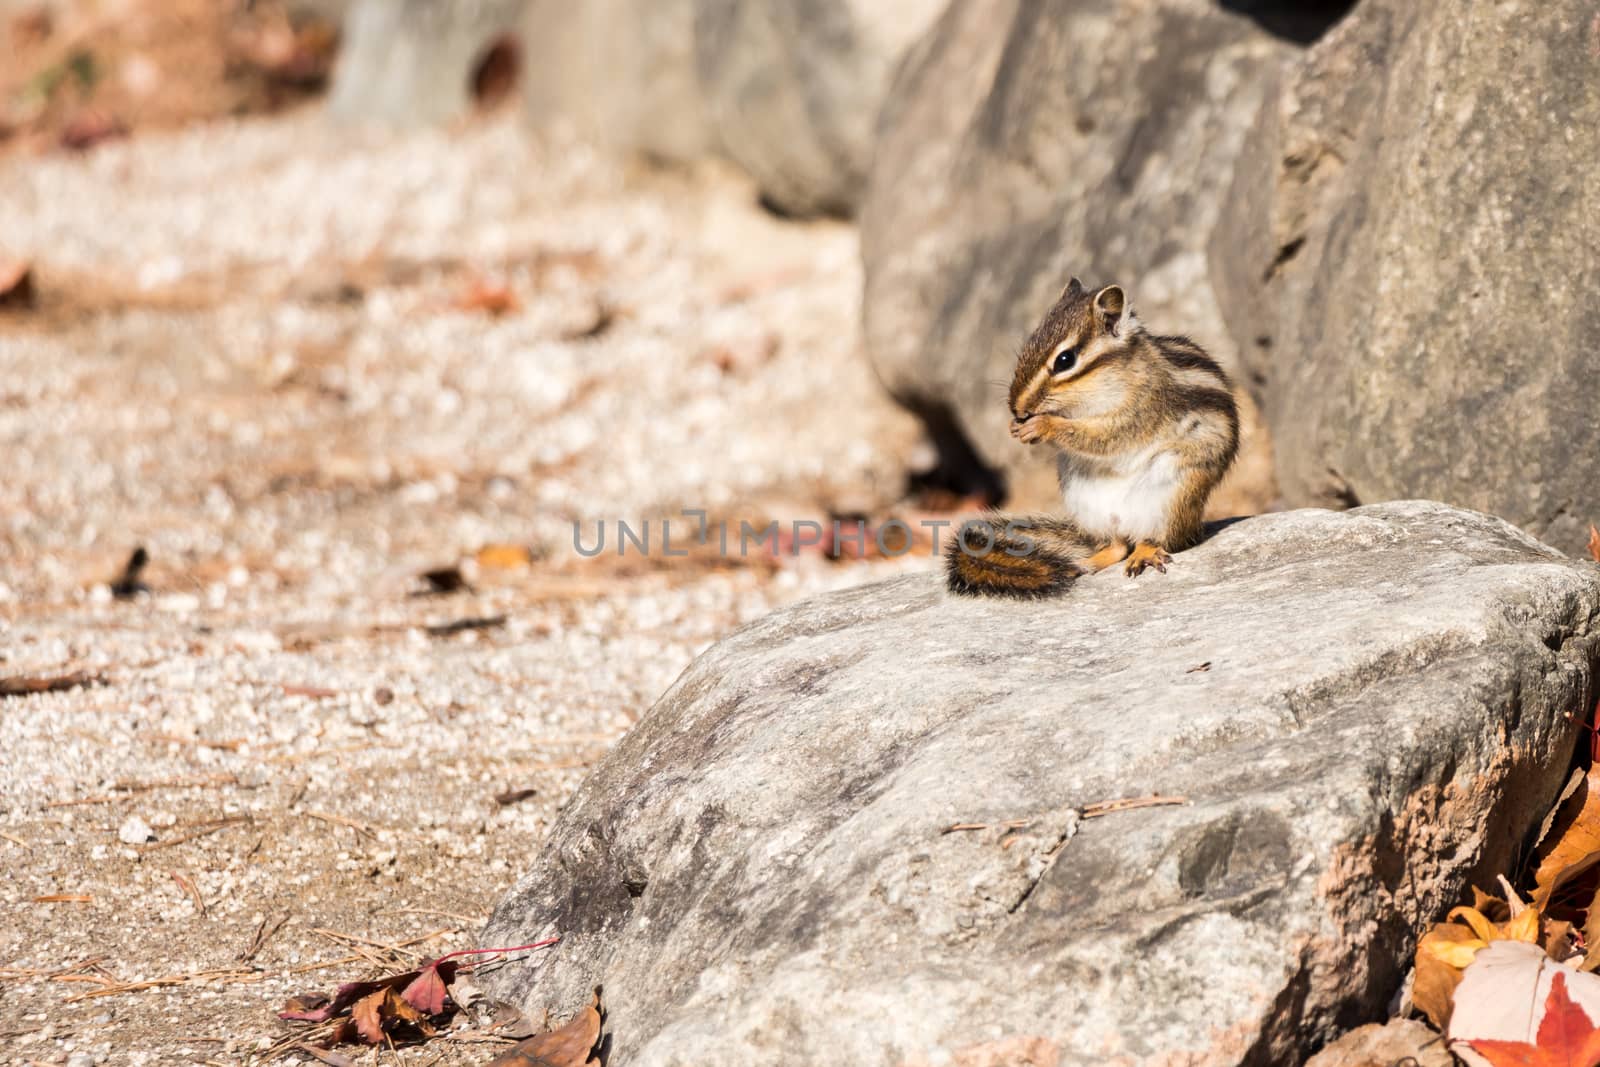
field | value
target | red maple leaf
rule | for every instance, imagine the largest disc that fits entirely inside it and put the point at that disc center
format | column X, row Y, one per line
column 1567, row 1037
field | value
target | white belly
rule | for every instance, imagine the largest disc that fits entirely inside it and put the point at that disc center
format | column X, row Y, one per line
column 1129, row 500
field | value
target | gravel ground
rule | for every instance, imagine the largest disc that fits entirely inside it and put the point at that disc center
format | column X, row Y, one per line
column 301, row 367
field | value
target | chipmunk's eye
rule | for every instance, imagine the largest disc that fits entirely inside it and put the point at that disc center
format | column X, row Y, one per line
column 1065, row 360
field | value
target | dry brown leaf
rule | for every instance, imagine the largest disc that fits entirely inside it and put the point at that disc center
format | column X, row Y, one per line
column 489, row 297
column 1573, row 845
column 504, row 557
column 16, row 283
column 1445, row 951
column 1594, row 543
column 571, row 1046
column 1436, row 978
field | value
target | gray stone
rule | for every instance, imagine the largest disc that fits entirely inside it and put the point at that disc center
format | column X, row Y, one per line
column 1399, row 1042
column 1024, row 143
column 621, row 72
column 789, row 91
column 1362, row 710
column 1418, row 198
column 412, row 62
column 794, row 89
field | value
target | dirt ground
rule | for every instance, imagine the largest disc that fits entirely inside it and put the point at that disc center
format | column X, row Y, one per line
column 302, row 367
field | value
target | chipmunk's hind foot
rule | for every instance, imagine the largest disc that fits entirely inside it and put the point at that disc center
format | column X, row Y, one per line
column 1146, row 555
column 988, row 561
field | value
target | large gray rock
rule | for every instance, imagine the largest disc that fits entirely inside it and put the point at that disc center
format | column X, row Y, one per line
column 1364, row 711
column 794, row 89
column 1023, row 143
column 787, row 89
column 622, row 73
column 1410, row 257
column 412, row 62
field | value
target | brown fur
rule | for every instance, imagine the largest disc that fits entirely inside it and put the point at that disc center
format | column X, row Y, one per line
column 1127, row 393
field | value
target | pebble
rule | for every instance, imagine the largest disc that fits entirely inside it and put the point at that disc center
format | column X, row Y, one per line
column 135, row 831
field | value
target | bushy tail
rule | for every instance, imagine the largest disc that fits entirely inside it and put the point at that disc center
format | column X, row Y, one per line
column 1017, row 556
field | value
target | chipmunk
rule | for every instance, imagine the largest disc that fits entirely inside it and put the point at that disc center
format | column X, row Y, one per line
column 1146, row 426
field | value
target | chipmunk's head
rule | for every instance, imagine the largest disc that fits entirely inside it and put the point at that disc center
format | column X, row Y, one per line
column 1078, row 361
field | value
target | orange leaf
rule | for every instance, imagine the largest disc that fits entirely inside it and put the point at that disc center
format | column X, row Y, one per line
column 368, row 1015
column 1573, row 845
column 490, row 297
column 1594, row 543
column 1567, row 1037
column 570, row 1046
column 1438, row 974
column 504, row 557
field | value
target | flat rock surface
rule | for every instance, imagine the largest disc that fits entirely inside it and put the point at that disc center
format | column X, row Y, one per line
column 864, row 829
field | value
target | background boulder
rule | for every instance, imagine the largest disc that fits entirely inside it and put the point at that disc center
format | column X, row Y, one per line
column 794, row 89
column 765, row 871
column 1408, row 261
column 412, row 62
column 789, row 91
column 1024, row 143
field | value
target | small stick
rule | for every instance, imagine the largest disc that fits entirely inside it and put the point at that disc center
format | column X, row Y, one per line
column 358, row 827
column 1110, row 807
column 65, row 898
column 1009, row 824
column 357, row 959
column 159, row 983
column 15, row 840
column 220, row 824
column 189, row 887
column 263, row 935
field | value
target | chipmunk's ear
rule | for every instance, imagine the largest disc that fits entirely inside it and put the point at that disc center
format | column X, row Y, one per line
column 1074, row 288
column 1112, row 310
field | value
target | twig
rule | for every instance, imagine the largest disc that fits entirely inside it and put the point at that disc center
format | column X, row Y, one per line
column 468, row 919
column 133, row 785
column 27, row 685
column 357, row 959
column 238, row 977
column 262, row 936
column 1110, row 807
column 65, row 898
column 358, row 827
column 188, row 886
column 205, row 831
column 1009, row 824
column 15, row 840
column 445, row 629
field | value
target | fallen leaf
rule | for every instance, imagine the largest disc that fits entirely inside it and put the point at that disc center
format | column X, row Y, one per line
column 1567, row 1037
column 1573, row 844
column 1503, row 995
column 427, row 991
column 89, row 127
column 382, row 1010
column 493, row 298
column 572, row 1045
column 16, row 283
column 1594, row 543
column 1445, row 952
column 504, row 557
column 1437, row 973
column 514, row 796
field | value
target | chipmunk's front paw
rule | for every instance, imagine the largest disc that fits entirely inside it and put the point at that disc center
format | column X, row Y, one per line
column 1030, row 430
column 1147, row 555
